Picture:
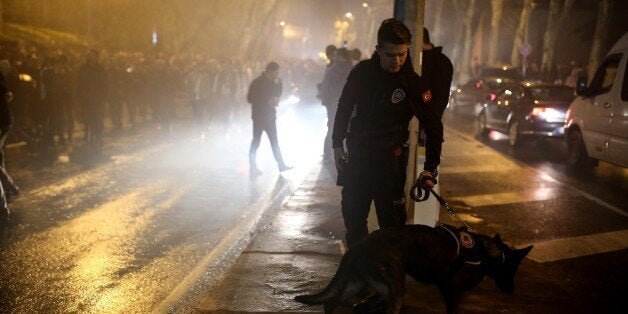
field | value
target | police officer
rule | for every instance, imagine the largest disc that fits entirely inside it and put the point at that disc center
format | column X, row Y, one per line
column 437, row 71
column 386, row 93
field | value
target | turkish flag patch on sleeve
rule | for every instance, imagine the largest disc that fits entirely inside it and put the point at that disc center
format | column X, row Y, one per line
column 427, row 96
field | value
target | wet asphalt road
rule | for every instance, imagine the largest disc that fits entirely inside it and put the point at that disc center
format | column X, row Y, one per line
column 130, row 233
column 123, row 234
column 576, row 218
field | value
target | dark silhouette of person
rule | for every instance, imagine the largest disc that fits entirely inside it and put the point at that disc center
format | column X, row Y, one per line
column 263, row 95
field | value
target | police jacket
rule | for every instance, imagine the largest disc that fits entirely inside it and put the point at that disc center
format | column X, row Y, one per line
column 437, row 72
column 261, row 91
column 384, row 104
column 333, row 81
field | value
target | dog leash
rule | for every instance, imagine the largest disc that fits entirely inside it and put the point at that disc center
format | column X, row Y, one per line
column 420, row 195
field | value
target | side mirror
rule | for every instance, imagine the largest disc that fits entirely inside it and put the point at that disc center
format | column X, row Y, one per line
column 581, row 86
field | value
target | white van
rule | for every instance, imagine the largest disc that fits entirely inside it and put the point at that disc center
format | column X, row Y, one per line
column 597, row 121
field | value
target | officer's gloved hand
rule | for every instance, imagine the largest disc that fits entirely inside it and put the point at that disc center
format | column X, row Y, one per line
column 427, row 180
column 340, row 158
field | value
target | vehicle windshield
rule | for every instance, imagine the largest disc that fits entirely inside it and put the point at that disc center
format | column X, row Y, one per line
column 562, row 93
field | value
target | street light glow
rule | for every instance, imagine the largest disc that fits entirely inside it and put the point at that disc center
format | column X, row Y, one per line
column 282, row 23
column 349, row 15
column 365, row 5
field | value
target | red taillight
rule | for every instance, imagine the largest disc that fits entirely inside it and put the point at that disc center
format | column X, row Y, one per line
column 538, row 111
column 549, row 114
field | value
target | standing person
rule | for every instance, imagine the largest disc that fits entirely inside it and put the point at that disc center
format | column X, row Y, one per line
column 331, row 88
column 437, row 71
column 5, row 124
column 66, row 96
column 386, row 93
column 91, row 92
column 263, row 95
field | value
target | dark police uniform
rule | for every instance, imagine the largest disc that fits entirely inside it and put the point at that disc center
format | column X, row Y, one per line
column 376, row 137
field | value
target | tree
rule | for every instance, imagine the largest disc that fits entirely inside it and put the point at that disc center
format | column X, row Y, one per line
column 601, row 33
column 556, row 17
column 467, row 20
column 496, row 7
column 526, row 10
column 435, row 32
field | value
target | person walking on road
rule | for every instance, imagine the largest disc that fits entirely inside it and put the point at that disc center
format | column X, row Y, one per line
column 385, row 92
column 263, row 95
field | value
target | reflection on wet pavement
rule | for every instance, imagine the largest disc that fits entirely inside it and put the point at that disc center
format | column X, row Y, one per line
column 123, row 235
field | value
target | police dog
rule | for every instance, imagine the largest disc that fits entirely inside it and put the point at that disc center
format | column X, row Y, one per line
column 454, row 259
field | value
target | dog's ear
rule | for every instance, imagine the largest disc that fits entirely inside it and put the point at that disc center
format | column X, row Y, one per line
column 498, row 239
column 521, row 253
column 526, row 250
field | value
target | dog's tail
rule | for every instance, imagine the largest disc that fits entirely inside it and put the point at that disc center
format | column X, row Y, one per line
column 338, row 289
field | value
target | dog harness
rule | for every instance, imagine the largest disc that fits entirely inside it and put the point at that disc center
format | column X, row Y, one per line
column 468, row 248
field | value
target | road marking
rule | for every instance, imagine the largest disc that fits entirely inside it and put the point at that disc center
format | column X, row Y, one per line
column 541, row 194
column 477, row 168
column 548, row 177
column 229, row 246
column 560, row 249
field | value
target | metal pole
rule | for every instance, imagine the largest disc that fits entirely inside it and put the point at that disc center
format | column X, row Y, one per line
column 413, row 15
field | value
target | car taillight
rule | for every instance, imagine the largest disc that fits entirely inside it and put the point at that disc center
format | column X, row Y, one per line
column 549, row 114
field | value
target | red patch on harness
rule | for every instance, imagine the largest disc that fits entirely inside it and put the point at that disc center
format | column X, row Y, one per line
column 427, row 96
column 466, row 240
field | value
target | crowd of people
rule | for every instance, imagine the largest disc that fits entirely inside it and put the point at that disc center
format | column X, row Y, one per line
column 69, row 99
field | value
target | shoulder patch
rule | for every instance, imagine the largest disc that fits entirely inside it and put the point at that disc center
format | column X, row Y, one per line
column 427, row 96
column 466, row 240
column 398, row 95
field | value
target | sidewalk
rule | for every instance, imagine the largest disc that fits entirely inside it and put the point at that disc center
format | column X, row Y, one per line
column 295, row 251
column 298, row 247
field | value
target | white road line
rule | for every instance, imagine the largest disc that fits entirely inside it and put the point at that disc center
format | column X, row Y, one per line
column 508, row 197
column 560, row 249
column 237, row 239
column 547, row 176
column 478, row 168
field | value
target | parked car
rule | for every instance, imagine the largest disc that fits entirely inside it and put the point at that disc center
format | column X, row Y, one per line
column 526, row 110
column 597, row 122
column 467, row 99
column 504, row 72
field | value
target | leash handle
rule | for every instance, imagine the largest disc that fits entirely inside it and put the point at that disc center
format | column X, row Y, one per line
column 418, row 194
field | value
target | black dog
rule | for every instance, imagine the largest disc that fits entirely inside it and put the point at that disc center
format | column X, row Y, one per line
column 455, row 259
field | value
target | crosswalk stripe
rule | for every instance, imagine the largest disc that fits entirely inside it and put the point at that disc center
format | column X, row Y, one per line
column 560, row 249
column 541, row 194
column 478, row 168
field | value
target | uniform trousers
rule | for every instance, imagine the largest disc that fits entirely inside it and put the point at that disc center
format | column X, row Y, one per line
column 371, row 177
